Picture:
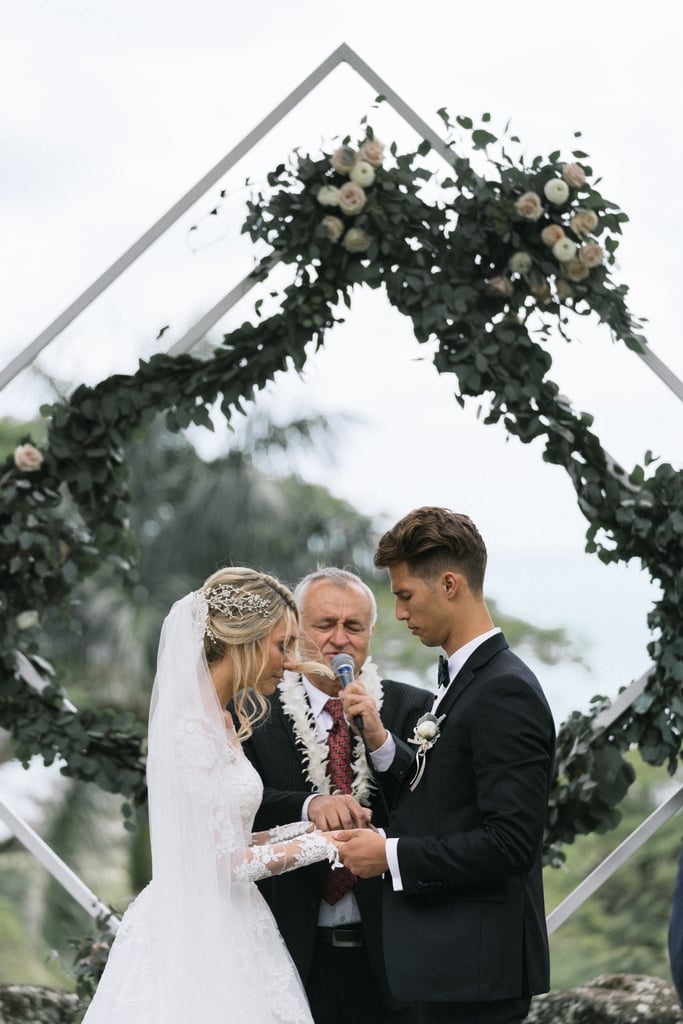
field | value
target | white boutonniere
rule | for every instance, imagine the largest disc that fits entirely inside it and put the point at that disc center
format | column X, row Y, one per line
column 425, row 735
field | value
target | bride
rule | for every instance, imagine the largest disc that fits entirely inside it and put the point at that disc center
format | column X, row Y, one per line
column 199, row 944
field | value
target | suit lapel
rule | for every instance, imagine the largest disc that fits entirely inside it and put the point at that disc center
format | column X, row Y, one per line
column 467, row 673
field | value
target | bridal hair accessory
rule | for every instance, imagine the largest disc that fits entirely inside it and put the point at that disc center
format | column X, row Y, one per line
column 425, row 735
column 234, row 603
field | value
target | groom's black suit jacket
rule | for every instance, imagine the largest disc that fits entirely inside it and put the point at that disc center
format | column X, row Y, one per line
column 295, row 896
column 469, row 925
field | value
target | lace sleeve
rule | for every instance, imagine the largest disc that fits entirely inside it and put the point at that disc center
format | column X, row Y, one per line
column 262, row 861
column 210, row 774
column 279, row 833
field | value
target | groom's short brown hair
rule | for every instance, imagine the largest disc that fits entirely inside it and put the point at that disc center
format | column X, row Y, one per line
column 432, row 540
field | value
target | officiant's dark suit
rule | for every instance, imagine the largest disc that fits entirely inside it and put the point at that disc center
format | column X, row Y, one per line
column 344, row 982
column 464, row 918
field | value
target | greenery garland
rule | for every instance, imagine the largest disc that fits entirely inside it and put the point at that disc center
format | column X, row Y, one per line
column 488, row 266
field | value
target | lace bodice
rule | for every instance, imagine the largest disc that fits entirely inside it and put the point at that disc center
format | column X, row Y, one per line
column 217, row 774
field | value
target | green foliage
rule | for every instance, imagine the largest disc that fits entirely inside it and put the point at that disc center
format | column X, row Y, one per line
column 623, row 926
column 91, row 952
column 452, row 265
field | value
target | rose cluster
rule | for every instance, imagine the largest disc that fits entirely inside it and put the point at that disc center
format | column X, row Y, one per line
column 359, row 167
column 565, row 232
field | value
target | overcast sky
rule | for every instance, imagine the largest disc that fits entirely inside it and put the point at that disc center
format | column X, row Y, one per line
column 111, row 111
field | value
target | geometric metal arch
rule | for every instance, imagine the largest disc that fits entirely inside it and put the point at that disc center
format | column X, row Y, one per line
column 343, row 54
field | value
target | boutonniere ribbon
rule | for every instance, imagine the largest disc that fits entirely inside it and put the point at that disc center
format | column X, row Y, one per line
column 425, row 735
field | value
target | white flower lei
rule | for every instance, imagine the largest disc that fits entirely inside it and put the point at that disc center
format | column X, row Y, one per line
column 292, row 695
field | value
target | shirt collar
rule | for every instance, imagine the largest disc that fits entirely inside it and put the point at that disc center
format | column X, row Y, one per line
column 316, row 698
column 459, row 657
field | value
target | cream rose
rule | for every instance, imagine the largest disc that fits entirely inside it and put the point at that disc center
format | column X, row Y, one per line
column 564, row 250
column 372, row 151
column 591, row 254
column 28, row 620
column 583, row 222
column 328, row 195
column 520, row 263
column 551, row 234
column 574, row 175
column 556, row 191
column 343, row 159
column 575, row 270
column 362, row 173
column 27, row 458
column 351, row 198
column 334, row 227
column 500, row 286
column 529, row 206
column 427, row 730
column 356, row 240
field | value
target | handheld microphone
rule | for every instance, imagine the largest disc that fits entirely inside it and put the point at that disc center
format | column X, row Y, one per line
column 345, row 671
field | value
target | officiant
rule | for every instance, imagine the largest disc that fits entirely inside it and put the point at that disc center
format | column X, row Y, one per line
column 312, row 767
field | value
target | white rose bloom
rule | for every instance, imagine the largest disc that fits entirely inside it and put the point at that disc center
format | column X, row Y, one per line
column 556, row 191
column 27, row 620
column 333, row 227
column 427, row 730
column 520, row 263
column 356, row 240
column 564, row 250
column 362, row 173
column 328, row 195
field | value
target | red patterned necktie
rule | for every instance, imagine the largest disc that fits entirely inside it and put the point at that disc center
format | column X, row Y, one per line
column 339, row 880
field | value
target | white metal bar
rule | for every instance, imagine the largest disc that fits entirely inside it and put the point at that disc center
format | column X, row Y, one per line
column 31, row 676
column 181, row 206
column 664, row 373
column 213, row 315
column 342, row 54
column 623, row 701
column 395, row 101
column 610, row 864
column 56, row 866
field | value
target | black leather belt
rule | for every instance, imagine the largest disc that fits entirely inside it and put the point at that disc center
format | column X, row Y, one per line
column 348, row 936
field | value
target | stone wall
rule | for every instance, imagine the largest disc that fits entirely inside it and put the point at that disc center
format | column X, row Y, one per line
column 610, row 999
column 32, row 1004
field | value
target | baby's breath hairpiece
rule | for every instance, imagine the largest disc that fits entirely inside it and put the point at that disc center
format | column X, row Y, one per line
column 234, row 603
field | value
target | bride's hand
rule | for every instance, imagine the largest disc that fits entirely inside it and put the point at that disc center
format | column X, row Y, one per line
column 331, row 838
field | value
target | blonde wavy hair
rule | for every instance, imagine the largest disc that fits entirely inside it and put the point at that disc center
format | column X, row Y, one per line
column 244, row 607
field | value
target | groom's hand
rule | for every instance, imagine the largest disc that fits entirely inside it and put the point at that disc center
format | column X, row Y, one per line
column 339, row 810
column 363, row 852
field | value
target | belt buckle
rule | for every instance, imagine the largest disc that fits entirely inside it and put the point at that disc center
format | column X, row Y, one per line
column 340, row 941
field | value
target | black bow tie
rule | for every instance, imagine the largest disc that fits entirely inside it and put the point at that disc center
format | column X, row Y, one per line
column 444, row 678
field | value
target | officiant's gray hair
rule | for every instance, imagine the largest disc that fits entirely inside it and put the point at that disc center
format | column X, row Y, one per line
column 340, row 578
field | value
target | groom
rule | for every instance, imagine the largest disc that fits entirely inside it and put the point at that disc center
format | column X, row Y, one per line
column 464, row 920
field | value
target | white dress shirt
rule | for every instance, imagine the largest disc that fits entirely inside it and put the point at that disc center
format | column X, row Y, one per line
column 345, row 910
column 455, row 663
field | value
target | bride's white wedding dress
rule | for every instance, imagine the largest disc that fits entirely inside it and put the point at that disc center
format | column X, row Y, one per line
column 199, row 945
